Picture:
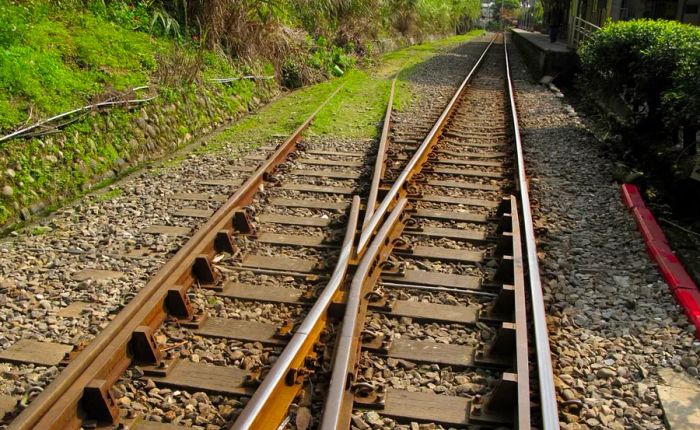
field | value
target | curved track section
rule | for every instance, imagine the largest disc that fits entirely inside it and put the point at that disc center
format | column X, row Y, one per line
column 295, row 298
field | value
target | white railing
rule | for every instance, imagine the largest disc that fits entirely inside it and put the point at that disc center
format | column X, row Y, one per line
column 582, row 30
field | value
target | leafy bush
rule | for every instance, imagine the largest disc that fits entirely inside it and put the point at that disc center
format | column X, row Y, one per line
column 653, row 65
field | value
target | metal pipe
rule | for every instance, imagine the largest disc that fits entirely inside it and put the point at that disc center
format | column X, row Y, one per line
column 342, row 374
column 279, row 370
column 548, row 401
column 407, row 172
column 21, row 132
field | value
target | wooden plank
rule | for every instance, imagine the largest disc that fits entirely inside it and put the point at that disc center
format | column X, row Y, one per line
column 251, row 331
column 311, row 241
column 152, row 425
column 338, row 153
column 279, row 263
column 489, row 154
column 31, row 351
column 478, row 134
column 452, row 233
column 445, row 254
column 242, row 168
column 469, row 140
column 432, row 352
column 466, row 172
column 193, row 213
column 170, row 230
column 273, row 294
column 309, row 188
column 294, row 220
column 449, row 215
column 435, row 312
column 449, row 280
column 335, row 174
column 325, row 162
column 221, row 182
column 458, row 201
column 200, row 197
column 96, row 275
column 205, row 377
column 463, row 185
column 462, row 162
column 426, row 407
column 8, row 404
column 311, row 204
column 74, row 310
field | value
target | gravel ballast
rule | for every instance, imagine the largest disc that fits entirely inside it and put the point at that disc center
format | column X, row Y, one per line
column 613, row 322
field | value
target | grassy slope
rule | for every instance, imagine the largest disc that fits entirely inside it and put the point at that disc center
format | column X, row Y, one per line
column 354, row 112
column 51, row 62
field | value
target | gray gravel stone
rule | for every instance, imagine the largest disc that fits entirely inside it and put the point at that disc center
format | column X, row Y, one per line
column 612, row 319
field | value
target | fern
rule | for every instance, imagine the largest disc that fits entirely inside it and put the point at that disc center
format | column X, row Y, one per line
column 167, row 22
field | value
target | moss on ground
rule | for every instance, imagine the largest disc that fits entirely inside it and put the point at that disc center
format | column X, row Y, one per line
column 53, row 62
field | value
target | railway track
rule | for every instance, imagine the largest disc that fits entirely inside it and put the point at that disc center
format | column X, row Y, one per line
column 362, row 286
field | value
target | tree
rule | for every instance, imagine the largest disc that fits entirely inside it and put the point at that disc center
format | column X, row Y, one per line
column 506, row 9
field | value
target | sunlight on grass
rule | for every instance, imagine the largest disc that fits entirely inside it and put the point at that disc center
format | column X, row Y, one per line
column 355, row 112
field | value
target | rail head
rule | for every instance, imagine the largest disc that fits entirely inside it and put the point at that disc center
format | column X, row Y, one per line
column 381, row 156
column 262, row 410
column 335, row 410
column 421, row 153
column 548, row 401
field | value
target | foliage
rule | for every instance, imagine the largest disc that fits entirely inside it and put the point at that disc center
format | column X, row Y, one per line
column 506, row 9
column 532, row 14
column 49, row 65
column 363, row 99
column 420, row 17
column 55, row 56
column 653, row 65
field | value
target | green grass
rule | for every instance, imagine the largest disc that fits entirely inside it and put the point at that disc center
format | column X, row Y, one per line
column 354, row 112
column 39, row 230
column 52, row 61
column 108, row 195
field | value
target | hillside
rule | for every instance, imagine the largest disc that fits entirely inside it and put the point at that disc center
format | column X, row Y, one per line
column 56, row 56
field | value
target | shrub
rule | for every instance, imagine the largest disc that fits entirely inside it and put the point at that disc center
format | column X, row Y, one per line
column 653, row 65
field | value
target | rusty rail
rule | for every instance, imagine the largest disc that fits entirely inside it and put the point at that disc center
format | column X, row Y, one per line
column 263, row 411
column 379, row 165
column 338, row 407
column 397, row 190
column 340, row 397
column 89, row 376
column 548, row 401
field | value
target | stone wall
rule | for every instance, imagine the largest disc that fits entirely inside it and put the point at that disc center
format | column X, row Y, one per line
column 38, row 173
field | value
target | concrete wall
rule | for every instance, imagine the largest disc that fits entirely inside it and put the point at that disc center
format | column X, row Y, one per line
column 541, row 59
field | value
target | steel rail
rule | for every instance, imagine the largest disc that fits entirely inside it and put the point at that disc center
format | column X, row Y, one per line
column 108, row 355
column 381, row 156
column 338, row 405
column 522, row 362
column 418, row 158
column 262, row 410
column 548, row 401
